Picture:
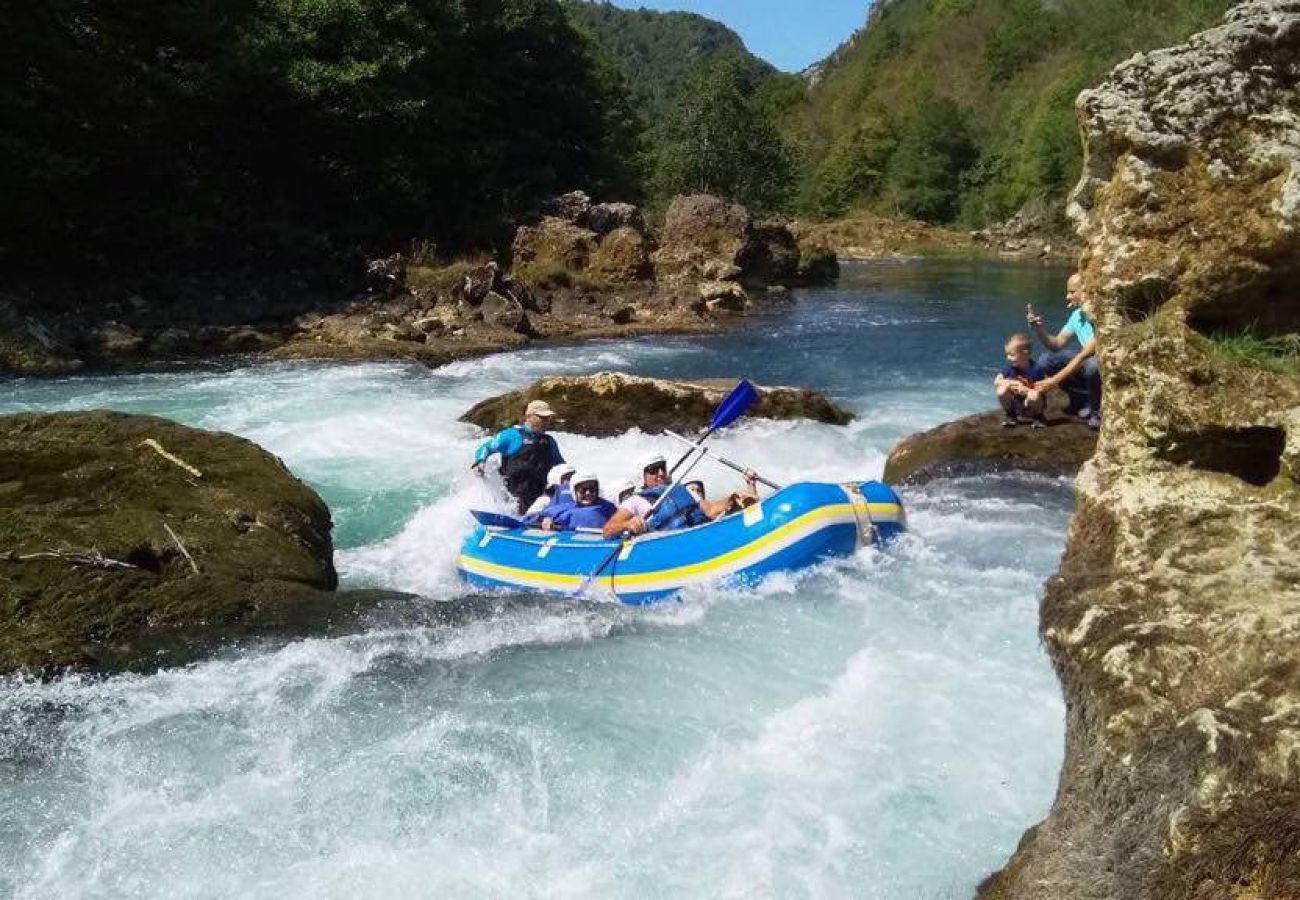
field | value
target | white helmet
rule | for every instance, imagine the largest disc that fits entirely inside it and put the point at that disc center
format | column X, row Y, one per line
column 583, row 477
column 650, row 459
column 627, row 484
column 558, row 474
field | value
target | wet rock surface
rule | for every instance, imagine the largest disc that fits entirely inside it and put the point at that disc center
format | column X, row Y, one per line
column 1174, row 620
column 981, row 443
column 98, row 512
column 611, row 403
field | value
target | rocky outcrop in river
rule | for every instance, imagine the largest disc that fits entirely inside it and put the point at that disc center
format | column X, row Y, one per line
column 611, row 403
column 132, row 541
column 1174, row 621
column 980, row 443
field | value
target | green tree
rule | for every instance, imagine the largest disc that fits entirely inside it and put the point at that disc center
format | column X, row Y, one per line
column 853, row 170
column 717, row 139
column 925, row 170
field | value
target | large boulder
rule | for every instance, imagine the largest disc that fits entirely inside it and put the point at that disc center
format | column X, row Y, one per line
column 611, row 403
column 703, row 238
column 1174, row 620
column 553, row 244
column 623, row 257
column 980, row 443
column 129, row 541
column 606, row 217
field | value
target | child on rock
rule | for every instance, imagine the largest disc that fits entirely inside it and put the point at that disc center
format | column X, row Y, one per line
column 1014, row 385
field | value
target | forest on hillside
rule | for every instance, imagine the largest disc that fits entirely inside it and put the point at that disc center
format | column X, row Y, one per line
column 203, row 135
column 210, row 134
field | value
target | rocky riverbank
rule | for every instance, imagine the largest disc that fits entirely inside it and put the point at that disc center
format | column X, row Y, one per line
column 129, row 542
column 576, row 269
column 1174, row 620
column 611, row 403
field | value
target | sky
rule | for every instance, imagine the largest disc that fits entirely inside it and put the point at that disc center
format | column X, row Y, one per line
column 790, row 34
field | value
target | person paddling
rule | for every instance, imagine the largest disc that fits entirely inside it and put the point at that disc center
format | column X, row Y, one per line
column 527, row 454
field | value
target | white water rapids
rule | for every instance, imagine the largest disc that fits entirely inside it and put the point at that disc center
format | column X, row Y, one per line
column 884, row 726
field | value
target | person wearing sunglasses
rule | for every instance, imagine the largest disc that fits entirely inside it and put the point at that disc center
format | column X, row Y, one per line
column 589, row 509
column 631, row 513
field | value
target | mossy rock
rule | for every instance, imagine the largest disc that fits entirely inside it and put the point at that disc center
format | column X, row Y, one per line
column 83, row 486
column 980, row 443
column 611, row 403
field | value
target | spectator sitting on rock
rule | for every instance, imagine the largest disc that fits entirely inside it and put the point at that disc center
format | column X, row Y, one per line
column 1075, row 371
column 1017, row 385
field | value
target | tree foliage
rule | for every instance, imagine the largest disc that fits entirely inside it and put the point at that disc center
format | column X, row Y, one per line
column 229, row 131
column 1010, row 70
column 716, row 138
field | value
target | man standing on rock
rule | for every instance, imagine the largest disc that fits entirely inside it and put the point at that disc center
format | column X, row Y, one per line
column 527, row 454
column 1077, row 371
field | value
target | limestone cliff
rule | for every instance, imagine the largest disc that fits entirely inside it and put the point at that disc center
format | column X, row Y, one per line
column 1174, row 621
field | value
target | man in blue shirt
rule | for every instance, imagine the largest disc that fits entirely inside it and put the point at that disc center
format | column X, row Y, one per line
column 527, row 454
column 1075, row 371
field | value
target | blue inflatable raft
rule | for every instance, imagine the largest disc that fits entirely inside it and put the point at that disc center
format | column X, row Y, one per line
column 794, row 527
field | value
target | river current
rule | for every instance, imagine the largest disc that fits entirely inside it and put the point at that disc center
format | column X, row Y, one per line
column 885, row 726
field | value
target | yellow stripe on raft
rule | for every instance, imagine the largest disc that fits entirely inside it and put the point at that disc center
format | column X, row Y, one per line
column 553, row 579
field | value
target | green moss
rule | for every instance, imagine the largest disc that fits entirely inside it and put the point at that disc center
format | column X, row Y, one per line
column 1280, row 354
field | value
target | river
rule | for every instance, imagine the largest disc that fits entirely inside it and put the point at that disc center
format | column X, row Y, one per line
column 885, row 726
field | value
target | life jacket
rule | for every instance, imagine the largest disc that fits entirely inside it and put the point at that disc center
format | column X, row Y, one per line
column 677, row 510
column 594, row 515
column 525, row 472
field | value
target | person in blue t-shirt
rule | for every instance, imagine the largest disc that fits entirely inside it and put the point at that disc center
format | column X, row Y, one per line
column 589, row 509
column 1074, row 370
column 1016, row 385
column 527, row 452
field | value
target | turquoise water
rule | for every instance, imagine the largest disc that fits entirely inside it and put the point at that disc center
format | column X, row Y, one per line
column 884, row 726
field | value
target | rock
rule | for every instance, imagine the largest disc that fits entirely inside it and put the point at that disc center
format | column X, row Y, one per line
column 87, row 486
column 1174, row 619
column 570, row 207
column 623, row 314
column 606, row 217
column 552, row 244
column 980, row 443
column 698, row 230
column 172, row 342
column 623, row 257
column 115, row 340
column 770, row 257
column 726, row 296
column 246, row 339
column 817, row 265
column 479, row 281
column 611, row 403
column 502, row 313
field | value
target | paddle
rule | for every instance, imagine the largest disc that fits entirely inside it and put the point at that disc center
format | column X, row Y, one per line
column 726, row 462
column 732, row 407
column 495, row 520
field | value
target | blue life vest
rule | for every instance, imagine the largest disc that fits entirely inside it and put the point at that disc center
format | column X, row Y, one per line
column 560, row 501
column 594, row 515
column 678, row 509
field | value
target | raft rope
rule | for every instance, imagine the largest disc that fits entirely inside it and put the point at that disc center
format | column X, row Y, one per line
column 867, row 533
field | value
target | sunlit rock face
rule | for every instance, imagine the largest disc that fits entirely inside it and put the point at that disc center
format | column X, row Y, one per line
column 1174, row 621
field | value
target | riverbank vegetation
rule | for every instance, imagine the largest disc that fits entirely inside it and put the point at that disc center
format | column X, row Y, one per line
column 291, row 138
